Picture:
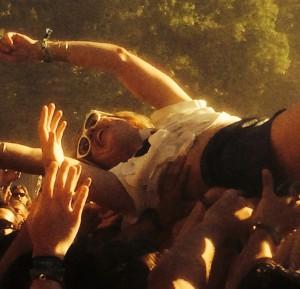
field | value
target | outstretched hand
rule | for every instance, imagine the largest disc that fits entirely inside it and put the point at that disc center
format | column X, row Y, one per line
column 55, row 219
column 16, row 47
column 51, row 131
column 230, row 214
column 8, row 176
column 282, row 214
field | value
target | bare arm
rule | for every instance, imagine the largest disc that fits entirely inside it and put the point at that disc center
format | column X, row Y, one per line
column 21, row 158
column 259, row 246
column 146, row 82
column 191, row 260
column 106, row 189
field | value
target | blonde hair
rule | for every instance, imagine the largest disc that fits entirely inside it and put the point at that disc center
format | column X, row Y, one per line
column 136, row 119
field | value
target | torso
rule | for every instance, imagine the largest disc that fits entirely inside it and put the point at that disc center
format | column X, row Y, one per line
column 196, row 186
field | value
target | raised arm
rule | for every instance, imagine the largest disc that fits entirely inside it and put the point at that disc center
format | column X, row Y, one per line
column 192, row 262
column 146, row 82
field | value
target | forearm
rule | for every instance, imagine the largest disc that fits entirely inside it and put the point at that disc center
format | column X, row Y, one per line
column 106, row 190
column 141, row 78
column 259, row 246
column 21, row 158
column 19, row 246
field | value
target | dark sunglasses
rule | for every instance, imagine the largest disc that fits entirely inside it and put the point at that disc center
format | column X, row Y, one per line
column 18, row 194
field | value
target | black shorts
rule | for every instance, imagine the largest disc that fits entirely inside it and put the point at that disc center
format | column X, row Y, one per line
column 236, row 155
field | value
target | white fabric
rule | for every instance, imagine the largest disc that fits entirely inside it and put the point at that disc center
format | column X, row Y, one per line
column 177, row 127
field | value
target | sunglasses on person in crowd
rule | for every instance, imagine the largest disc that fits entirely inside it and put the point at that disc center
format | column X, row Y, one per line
column 18, row 194
column 84, row 142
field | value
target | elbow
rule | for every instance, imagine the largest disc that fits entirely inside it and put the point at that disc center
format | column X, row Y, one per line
column 122, row 59
column 122, row 54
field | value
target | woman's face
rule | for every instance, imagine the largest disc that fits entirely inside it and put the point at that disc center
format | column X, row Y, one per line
column 113, row 140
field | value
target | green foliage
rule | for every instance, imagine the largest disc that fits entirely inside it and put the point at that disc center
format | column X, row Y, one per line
column 241, row 54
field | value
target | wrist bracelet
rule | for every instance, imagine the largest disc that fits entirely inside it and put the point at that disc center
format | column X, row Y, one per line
column 47, row 268
column 44, row 46
column 269, row 230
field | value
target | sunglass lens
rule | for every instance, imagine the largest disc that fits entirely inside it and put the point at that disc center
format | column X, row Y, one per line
column 83, row 146
column 91, row 120
column 18, row 194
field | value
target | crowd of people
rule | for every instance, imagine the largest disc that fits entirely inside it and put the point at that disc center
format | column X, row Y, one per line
column 188, row 198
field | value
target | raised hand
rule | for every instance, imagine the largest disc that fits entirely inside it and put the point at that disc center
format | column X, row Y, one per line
column 16, row 47
column 282, row 214
column 54, row 222
column 230, row 214
column 51, row 131
column 8, row 176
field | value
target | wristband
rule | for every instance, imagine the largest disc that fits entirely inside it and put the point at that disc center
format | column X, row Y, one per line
column 47, row 268
column 44, row 46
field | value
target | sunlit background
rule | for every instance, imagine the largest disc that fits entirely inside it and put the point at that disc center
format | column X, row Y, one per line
column 242, row 56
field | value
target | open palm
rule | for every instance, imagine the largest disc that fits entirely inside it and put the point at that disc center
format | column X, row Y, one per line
column 50, row 133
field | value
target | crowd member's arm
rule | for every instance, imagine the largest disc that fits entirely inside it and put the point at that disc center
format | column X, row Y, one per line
column 19, row 246
column 21, row 158
column 54, row 229
column 145, row 81
column 189, row 262
column 106, row 189
column 273, row 218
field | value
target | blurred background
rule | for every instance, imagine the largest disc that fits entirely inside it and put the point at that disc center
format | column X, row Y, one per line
column 242, row 56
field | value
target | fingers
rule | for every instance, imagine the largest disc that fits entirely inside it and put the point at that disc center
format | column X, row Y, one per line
column 267, row 184
column 81, row 197
column 60, row 131
column 51, row 109
column 43, row 124
column 49, row 180
column 66, row 182
column 61, row 181
column 72, row 178
column 50, row 122
column 53, row 123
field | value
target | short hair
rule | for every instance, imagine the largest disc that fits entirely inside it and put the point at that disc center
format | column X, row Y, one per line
column 136, row 119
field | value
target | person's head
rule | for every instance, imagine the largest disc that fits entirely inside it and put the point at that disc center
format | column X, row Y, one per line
column 107, row 139
column 8, row 221
column 21, row 211
column 21, row 194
